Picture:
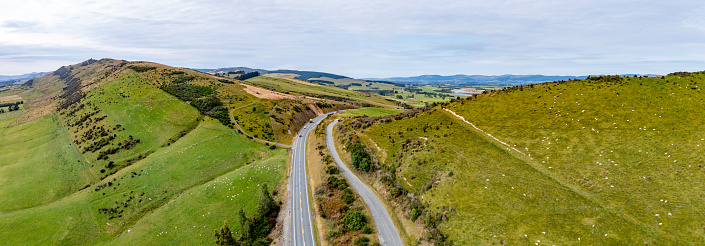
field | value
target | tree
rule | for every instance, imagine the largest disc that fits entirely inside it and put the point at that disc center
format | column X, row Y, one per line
column 266, row 203
column 223, row 236
column 245, row 227
column 354, row 221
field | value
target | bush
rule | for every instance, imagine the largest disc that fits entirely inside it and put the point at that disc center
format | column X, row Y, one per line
column 348, row 196
column 366, row 229
column 360, row 158
column 355, row 221
column 141, row 69
column 361, row 241
column 414, row 214
column 332, row 170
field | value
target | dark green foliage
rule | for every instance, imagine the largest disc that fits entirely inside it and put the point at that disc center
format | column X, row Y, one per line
column 266, row 203
column 360, row 158
column 336, row 183
column 11, row 104
column 207, row 104
column 414, row 214
column 223, row 237
column 201, row 97
column 361, row 241
column 187, row 92
column 305, row 75
column 141, row 69
column 177, row 73
column 354, row 221
column 366, row 229
column 323, row 105
column 348, row 196
column 332, row 170
column 254, row 230
column 249, row 75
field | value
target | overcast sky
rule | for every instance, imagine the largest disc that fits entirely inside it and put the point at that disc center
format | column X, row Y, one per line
column 361, row 38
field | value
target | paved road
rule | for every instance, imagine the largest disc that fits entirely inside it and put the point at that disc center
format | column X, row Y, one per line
column 301, row 228
column 387, row 232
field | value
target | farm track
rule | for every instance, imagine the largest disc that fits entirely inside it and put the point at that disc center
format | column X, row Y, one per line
column 536, row 166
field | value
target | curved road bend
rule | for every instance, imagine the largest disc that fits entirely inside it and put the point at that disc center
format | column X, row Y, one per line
column 301, row 228
column 388, row 234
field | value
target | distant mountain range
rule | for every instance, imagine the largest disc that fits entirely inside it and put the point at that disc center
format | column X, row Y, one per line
column 507, row 79
column 303, row 75
column 15, row 78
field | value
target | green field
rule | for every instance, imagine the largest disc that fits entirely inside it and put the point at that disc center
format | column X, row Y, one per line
column 190, row 218
column 368, row 112
column 322, row 91
column 143, row 112
column 7, row 118
column 201, row 157
column 612, row 161
column 38, row 164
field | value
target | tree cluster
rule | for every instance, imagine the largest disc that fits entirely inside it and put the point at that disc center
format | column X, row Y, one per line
column 202, row 98
column 360, row 158
column 248, row 75
column 253, row 230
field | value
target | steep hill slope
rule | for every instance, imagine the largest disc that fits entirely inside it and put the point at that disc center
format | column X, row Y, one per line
column 106, row 148
column 298, row 87
column 604, row 160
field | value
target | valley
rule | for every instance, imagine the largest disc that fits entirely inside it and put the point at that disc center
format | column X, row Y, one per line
column 116, row 152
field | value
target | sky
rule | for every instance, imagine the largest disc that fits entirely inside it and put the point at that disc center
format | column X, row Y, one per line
column 361, row 38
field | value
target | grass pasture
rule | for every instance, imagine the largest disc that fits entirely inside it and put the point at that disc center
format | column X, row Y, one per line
column 325, row 92
column 206, row 156
column 143, row 112
column 38, row 164
column 612, row 161
column 191, row 217
column 368, row 112
column 7, row 118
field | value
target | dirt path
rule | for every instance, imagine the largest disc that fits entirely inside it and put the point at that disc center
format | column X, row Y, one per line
column 265, row 94
column 541, row 169
column 301, row 82
column 489, row 135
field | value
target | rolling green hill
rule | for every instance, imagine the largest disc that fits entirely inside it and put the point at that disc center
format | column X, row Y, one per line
column 117, row 152
column 291, row 86
column 604, row 160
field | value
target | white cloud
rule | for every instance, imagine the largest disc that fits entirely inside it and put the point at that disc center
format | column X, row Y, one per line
column 361, row 38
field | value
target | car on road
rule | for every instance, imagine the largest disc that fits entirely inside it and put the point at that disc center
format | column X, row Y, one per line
column 310, row 121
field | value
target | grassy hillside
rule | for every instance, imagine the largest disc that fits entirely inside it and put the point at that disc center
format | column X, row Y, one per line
column 191, row 217
column 608, row 160
column 38, row 164
column 205, row 154
column 125, row 120
column 321, row 91
column 257, row 112
column 368, row 112
column 114, row 150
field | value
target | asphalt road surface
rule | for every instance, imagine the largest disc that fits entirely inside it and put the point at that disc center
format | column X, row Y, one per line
column 387, row 232
column 301, row 227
